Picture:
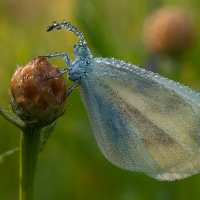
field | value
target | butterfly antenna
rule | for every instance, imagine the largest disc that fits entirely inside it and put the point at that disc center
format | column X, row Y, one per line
column 66, row 25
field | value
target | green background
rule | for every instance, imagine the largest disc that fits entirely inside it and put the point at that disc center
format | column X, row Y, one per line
column 71, row 165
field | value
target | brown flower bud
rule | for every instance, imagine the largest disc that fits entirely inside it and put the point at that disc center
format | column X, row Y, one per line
column 37, row 96
column 168, row 30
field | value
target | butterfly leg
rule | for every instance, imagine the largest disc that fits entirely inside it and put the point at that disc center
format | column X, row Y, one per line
column 63, row 55
column 76, row 83
column 66, row 59
column 61, row 72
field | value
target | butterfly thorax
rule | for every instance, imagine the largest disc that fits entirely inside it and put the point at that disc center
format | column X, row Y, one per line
column 79, row 66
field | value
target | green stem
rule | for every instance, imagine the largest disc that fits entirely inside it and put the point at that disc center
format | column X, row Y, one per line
column 5, row 114
column 29, row 151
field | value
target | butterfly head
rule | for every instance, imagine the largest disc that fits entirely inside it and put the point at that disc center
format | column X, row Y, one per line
column 82, row 51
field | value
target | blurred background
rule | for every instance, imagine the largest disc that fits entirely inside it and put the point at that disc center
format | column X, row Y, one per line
column 140, row 31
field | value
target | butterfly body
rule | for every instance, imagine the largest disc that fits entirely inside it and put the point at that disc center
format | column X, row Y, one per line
column 78, row 69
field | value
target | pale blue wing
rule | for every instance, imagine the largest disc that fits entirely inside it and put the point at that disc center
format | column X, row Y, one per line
column 142, row 121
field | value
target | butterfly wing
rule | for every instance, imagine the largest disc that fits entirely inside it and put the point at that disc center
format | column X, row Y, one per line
column 142, row 121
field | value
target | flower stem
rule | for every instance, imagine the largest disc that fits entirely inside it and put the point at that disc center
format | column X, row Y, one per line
column 17, row 123
column 29, row 151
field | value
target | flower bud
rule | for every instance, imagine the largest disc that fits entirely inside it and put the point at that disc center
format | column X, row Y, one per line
column 168, row 30
column 36, row 95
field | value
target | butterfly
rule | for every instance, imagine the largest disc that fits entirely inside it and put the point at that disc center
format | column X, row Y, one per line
column 141, row 121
